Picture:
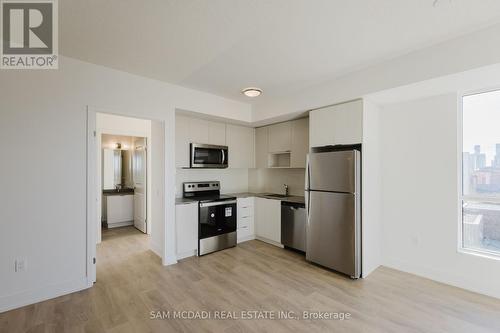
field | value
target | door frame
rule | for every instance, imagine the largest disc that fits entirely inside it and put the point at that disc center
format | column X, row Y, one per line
column 92, row 198
column 99, row 133
column 93, row 193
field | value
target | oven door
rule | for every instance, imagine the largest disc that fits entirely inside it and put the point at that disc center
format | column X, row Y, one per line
column 208, row 156
column 216, row 218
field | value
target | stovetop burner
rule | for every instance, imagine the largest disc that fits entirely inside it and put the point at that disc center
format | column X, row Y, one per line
column 210, row 198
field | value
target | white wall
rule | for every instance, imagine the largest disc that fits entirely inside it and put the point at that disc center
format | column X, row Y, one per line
column 420, row 214
column 157, row 163
column 231, row 180
column 371, row 185
column 43, row 118
column 114, row 124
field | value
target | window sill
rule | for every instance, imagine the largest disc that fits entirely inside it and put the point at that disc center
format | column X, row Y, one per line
column 478, row 253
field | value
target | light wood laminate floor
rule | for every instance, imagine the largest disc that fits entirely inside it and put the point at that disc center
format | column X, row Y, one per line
column 253, row 276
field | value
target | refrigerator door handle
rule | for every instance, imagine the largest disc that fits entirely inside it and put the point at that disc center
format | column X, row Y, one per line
column 307, row 176
column 306, row 194
column 307, row 206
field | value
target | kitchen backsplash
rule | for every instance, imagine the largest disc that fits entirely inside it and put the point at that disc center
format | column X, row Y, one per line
column 232, row 180
column 246, row 180
column 272, row 180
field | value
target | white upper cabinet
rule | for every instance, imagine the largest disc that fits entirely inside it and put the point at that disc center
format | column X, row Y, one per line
column 241, row 144
column 239, row 139
column 199, row 130
column 261, row 147
column 338, row 124
column 300, row 143
column 181, row 141
column 195, row 130
column 280, row 137
column 216, row 133
column 283, row 145
column 208, row 132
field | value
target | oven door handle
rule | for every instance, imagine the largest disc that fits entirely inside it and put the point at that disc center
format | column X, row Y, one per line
column 217, row 203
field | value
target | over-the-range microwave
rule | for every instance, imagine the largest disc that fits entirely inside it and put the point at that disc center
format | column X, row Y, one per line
column 208, row 156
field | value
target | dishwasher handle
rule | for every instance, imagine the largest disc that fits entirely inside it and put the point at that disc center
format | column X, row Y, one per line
column 293, row 205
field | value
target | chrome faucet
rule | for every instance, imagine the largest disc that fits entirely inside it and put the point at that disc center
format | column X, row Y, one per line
column 286, row 189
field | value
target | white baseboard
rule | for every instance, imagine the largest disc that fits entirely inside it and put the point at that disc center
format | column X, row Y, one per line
column 368, row 270
column 268, row 241
column 246, row 238
column 170, row 260
column 187, row 254
column 120, row 224
column 156, row 248
column 443, row 276
column 43, row 293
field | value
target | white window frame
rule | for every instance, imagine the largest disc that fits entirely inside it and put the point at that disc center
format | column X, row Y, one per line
column 461, row 197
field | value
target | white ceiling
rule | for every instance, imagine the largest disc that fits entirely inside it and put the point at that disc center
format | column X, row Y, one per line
column 281, row 46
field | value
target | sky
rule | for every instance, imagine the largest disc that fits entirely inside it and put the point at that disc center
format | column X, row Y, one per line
column 481, row 123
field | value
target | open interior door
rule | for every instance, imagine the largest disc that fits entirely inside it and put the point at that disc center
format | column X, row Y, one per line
column 139, row 168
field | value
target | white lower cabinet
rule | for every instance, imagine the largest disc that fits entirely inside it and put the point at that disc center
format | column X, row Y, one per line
column 186, row 222
column 119, row 210
column 268, row 220
column 245, row 224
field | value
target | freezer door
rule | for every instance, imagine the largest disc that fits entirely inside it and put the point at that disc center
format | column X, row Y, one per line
column 333, row 232
column 336, row 171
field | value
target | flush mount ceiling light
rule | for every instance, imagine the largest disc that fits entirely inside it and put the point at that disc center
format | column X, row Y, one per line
column 251, row 92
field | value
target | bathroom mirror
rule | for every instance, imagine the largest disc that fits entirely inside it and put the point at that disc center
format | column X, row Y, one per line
column 116, row 168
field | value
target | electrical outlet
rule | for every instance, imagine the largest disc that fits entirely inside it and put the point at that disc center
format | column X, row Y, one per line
column 20, row 265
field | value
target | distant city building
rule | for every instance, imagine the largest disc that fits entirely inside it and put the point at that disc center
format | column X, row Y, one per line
column 477, row 176
column 496, row 161
column 467, row 169
column 479, row 159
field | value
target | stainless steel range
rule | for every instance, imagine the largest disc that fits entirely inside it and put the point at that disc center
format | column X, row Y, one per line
column 216, row 216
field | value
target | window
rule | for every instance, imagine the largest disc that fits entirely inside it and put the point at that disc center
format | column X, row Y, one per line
column 481, row 172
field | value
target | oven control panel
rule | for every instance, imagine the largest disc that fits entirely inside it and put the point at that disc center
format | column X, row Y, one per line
column 201, row 186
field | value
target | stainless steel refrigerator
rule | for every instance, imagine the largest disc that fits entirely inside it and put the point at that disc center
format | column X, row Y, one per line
column 333, row 207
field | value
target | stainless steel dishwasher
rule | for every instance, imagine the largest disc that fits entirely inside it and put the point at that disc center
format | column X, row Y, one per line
column 293, row 225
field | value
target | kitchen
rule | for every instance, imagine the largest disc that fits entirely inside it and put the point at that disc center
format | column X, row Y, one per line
column 403, row 95
column 259, row 176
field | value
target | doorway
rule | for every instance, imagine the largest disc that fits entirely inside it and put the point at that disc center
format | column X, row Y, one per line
column 124, row 174
column 126, row 158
